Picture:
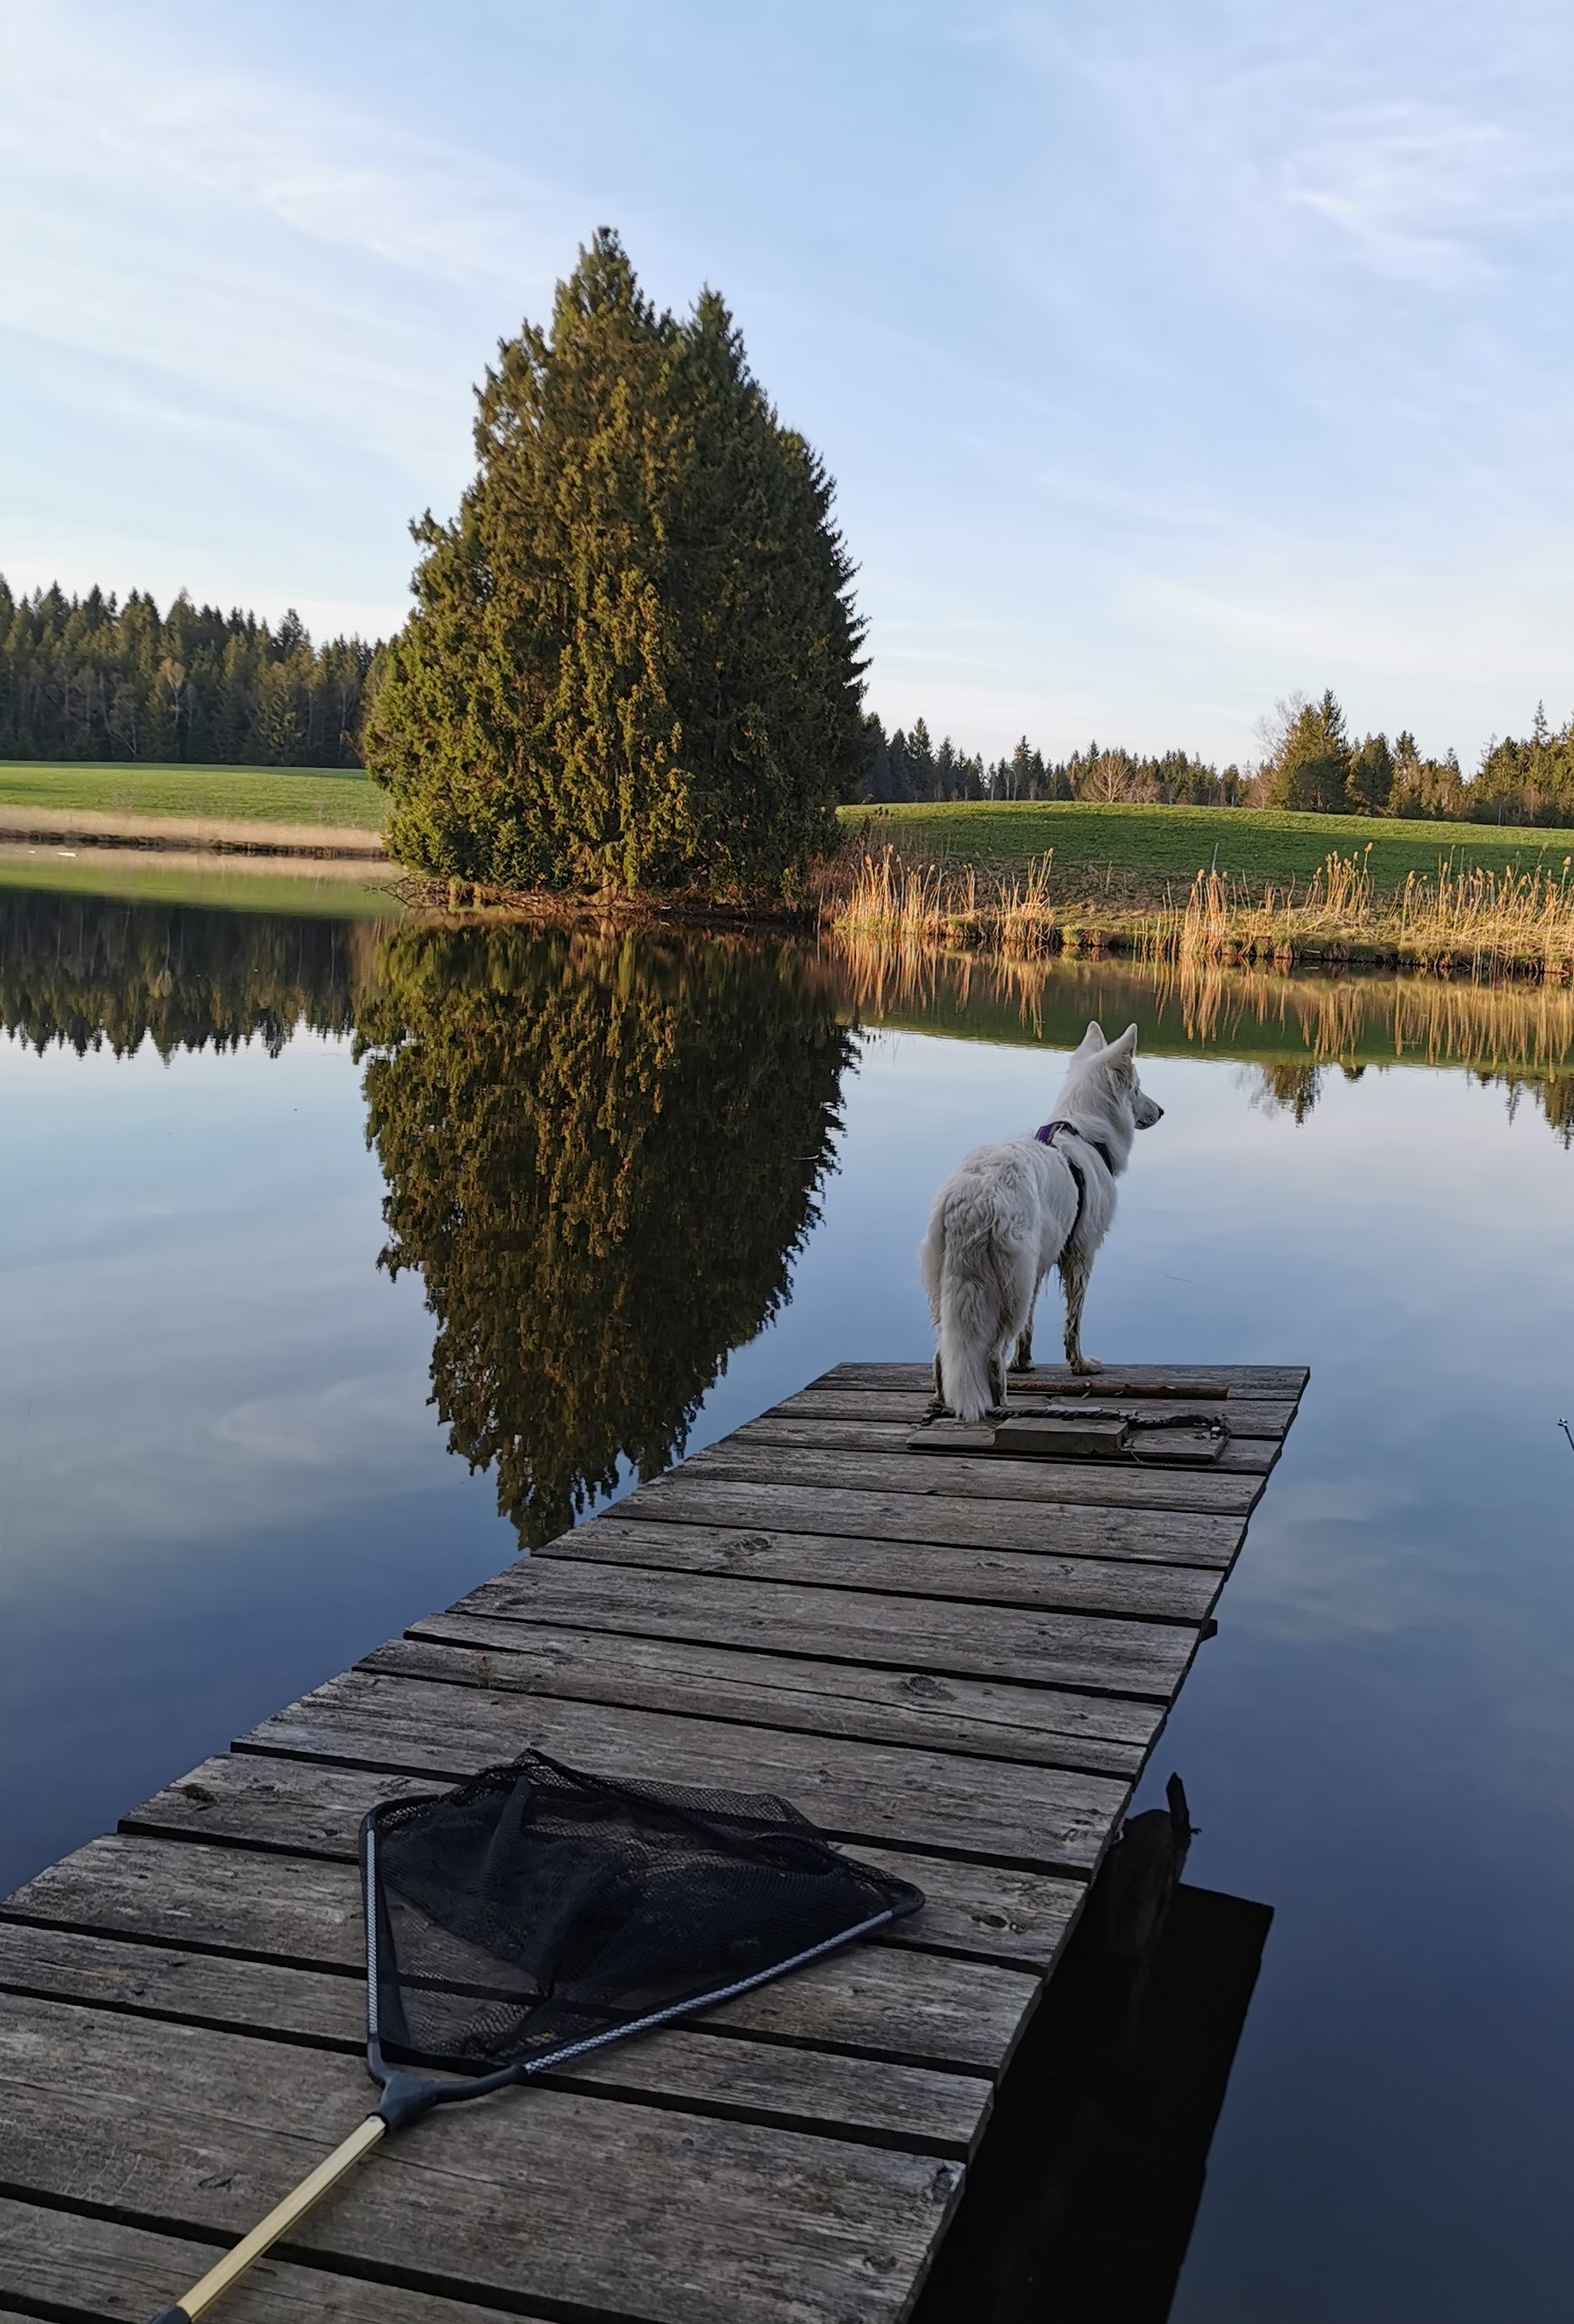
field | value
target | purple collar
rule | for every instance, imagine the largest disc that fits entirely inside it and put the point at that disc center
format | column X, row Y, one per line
column 1048, row 1131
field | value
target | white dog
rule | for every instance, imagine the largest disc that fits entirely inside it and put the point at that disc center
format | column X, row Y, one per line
column 1008, row 1214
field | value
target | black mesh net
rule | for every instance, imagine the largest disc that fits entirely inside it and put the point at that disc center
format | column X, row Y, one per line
column 537, row 1908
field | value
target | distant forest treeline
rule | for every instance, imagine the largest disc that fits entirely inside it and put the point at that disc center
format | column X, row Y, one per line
column 92, row 677
column 95, row 677
column 908, row 766
column 1309, row 762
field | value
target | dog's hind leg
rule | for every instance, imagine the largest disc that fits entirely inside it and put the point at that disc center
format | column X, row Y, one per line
column 996, row 1384
column 1022, row 1361
column 938, row 1409
column 1076, row 1270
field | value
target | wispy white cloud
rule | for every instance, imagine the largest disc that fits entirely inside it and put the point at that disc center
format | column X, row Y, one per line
column 1417, row 191
column 251, row 252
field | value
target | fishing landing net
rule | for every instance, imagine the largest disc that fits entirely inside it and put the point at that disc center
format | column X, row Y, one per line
column 538, row 1912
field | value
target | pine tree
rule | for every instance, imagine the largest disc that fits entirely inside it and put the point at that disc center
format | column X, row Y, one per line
column 1312, row 762
column 634, row 661
column 1370, row 781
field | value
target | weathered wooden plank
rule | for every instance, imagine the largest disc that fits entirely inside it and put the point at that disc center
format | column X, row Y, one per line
column 71, row 2266
column 1241, row 1455
column 920, row 1569
column 749, row 1605
column 973, row 1716
column 1247, row 1417
column 546, row 2195
column 897, row 2103
column 1116, row 1653
column 1283, row 1381
column 926, row 2009
column 1045, row 1818
column 958, row 1519
column 988, row 1912
column 915, row 1475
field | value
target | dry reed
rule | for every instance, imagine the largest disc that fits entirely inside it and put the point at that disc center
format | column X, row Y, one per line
column 890, row 899
column 1476, row 920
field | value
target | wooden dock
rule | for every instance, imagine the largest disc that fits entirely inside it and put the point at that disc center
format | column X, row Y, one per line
column 957, row 1664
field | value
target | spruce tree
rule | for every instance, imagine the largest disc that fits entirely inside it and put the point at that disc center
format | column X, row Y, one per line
column 1370, row 781
column 1313, row 763
column 634, row 660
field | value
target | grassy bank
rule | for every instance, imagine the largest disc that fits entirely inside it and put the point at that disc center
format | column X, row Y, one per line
column 282, row 795
column 1196, row 885
column 1474, row 921
column 1142, row 848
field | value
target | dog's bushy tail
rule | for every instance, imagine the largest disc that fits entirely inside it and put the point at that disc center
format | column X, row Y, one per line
column 981, row 1290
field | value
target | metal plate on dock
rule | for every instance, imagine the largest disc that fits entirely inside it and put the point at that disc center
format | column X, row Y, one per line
column 1060, row 1432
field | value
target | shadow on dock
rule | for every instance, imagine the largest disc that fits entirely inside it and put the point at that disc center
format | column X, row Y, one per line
column 1081, row 2203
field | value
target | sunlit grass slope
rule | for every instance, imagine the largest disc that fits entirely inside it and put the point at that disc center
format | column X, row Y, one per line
column 1156, row 844
column 245, row 794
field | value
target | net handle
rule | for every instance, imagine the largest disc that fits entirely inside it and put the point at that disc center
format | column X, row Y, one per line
column 282, row 2216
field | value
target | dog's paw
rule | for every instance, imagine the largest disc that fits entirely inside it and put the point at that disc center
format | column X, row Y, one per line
column 1084, row 1364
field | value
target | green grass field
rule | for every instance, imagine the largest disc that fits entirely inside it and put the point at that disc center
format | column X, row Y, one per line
column 1158, row 844
column 240, row 794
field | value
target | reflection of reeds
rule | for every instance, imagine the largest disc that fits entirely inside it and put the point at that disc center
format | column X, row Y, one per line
column 1475, row 918
column 1516, row 1034
column 1516, row 1024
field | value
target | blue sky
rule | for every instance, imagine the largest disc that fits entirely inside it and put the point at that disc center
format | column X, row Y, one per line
column 1167, row 358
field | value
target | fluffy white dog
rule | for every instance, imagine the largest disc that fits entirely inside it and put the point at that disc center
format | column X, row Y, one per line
column 1008, row 1214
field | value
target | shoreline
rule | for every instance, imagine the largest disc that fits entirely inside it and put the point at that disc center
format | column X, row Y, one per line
column 26, row 825
column 899, row 910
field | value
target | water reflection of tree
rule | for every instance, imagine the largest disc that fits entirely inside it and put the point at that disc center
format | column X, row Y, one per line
column 90, row 972
column 602, row 1155
column 1291, row 1088
column 1554, row 1095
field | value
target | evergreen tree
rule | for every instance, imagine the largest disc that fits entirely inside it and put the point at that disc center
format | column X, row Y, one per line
column 1370, row 780
column 634, row 661
column 1429, row 789
column 88, row 678
column 921, row 762
column 1312, row 762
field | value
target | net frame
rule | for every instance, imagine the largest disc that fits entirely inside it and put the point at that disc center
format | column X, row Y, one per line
column 768, row 1812
column 406, row 2097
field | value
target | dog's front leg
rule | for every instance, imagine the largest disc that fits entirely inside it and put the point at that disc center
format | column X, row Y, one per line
column 938, row 1409
column 1022, row 1361
column 1076, row 1270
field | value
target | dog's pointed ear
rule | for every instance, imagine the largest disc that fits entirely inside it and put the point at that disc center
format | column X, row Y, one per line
column 1126, row 1045
column 1092, row 1040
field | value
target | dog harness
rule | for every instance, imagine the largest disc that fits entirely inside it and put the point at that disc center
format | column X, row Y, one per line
column 1046, row 1135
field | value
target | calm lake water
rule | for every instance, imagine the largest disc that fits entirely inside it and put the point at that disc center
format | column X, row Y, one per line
column 628, row 1194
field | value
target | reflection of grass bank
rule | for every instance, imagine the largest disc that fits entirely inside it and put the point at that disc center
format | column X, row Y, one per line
column 1258, row 1016
column 1474, row 919
column 342, row 890
column 1290, row 1029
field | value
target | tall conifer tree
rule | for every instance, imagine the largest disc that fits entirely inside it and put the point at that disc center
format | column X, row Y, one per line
column 634, row 661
